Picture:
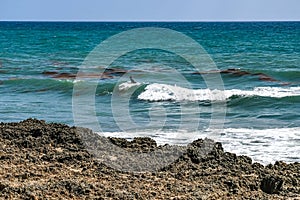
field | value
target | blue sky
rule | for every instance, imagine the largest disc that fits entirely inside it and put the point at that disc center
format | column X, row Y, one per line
column 150, row 10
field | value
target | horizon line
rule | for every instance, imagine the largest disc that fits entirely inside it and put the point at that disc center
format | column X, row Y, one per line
column 150, row 21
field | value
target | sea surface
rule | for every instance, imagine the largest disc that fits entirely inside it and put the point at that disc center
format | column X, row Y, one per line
column 257, row 107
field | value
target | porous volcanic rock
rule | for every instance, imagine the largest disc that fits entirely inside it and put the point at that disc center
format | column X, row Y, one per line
column 42, row 160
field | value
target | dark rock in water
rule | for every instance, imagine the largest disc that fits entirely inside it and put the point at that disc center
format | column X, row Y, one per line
column 65, row 75
column 238, row 73
column 50, row 73
column 271, row 184
column 115, row 71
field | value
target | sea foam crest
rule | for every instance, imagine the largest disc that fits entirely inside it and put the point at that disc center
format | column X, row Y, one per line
column 164, row 92
column 123, row 87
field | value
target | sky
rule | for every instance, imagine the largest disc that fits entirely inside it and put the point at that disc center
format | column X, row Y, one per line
column 149, row 10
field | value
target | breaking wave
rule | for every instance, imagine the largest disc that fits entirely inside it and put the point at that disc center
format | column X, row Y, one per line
column 164, row 92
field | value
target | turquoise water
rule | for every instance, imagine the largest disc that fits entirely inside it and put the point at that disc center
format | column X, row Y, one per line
column 262, row 106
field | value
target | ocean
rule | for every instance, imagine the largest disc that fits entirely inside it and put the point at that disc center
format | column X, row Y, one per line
column 252, row 108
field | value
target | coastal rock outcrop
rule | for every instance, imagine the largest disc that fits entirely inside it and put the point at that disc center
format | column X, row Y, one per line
column 48, row 160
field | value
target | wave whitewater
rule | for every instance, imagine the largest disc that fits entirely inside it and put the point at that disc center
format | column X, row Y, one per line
column 164, row 92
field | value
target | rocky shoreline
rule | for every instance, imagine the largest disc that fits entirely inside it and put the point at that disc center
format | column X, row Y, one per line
column 42, row 160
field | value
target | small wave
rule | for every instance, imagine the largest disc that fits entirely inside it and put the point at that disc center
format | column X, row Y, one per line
column 164, row 92
column 38, row 84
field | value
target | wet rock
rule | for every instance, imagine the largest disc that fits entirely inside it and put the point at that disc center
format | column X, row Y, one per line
column 271, row 184
column 107, row 74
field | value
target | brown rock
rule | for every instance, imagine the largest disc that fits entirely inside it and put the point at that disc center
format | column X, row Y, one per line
column 42, row 160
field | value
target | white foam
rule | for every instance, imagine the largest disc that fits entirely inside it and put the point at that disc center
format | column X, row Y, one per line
column 262, row 145
column 164, row 92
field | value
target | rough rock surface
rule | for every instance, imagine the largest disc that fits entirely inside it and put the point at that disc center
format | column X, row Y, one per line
column 50, row 161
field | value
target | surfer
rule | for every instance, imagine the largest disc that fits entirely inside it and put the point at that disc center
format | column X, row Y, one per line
column 131, row 79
